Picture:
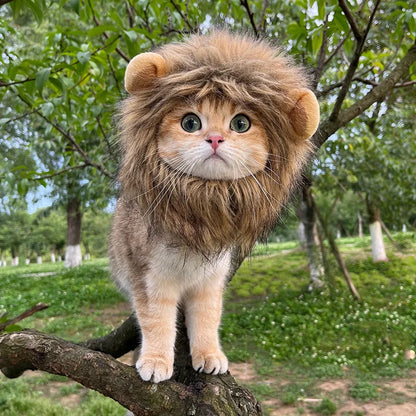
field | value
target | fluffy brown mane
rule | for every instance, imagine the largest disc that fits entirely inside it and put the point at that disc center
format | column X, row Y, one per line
column 212, row 215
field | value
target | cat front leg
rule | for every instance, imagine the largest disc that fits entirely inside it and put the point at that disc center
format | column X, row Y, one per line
column 157, row 319
column 203, row 307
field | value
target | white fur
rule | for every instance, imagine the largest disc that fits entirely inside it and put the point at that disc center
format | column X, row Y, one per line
column 176, row 268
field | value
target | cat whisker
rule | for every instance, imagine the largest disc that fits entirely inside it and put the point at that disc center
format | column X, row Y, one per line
column 265, row 193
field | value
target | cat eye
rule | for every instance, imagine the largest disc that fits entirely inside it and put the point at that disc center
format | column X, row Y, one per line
column 191, row 123
column 240, row 123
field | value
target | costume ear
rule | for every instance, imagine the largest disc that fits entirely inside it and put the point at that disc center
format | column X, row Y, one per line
column 304, row 115
column 142, row 71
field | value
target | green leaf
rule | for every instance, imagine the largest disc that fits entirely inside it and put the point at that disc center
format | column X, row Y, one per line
column 74, row 5
column 83, row 57
column 41, row 78
column 131, row 34
column 37, row 8
column 47, row 109
column 13, row 328
column 23, row 187
column 99, row 30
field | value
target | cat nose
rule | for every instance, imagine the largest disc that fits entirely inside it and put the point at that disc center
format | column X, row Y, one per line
column 214, row 141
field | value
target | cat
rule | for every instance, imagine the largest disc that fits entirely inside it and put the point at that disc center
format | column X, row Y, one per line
column 214, row 135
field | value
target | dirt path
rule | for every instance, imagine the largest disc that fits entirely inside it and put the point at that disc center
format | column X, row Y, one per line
column 396, row 398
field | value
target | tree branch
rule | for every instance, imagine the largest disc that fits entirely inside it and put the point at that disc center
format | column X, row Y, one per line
column 3, row 2
column 245, row 4
column 213, row 395
column 328, row 127
column 57, row 70
column 105, row 34
column 72, row 140
column 184, row 17
column 353, row 64
column 60, row 172
column 353, row 24
column 38, row 307
column 336, row 50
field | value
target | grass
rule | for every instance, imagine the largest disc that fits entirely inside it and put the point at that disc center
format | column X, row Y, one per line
column 269, row 320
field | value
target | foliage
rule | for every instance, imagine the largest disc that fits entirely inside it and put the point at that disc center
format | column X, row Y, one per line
column 371, row 337
column 364, row 391
column 327, row 407
column 330, row 335
column 67, row 292
column 95, row 231
column 25, row 397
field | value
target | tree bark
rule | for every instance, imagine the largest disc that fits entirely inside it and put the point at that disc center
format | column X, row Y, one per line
column 309, row 220
column 360, row 225
column 377, row 243
column 73, row 255
column 188, row 393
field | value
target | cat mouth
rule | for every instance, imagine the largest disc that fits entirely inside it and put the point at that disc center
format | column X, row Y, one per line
column 215, row 156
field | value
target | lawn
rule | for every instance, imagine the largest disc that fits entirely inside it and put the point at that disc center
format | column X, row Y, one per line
column 292, row 341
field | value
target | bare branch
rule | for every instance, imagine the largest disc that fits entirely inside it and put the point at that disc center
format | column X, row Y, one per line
column 245, row 4
column 100, row 372
column 353, row 24
column 38, row 307
column 3, row 2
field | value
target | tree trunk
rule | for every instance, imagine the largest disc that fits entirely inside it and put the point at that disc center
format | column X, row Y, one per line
column 53, row 253
column 377, row 243
column 360, row 225
column 15, row 256
column 301, row 235
column 309, row 220
column 73, row 255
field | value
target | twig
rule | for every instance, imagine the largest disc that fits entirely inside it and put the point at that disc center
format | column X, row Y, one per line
column 72, row 140
column 38, row 307
column 105, row 34
column 11, row 120
column 353, row 64
column 262, row 21
column 337, row 49
column 321, row 56
column 57, row 70
column 184, row 17
column 60, row 172
column 328, row 127
column 245, row 4
column 130, row 14
column 351, row 21
column 336, row 252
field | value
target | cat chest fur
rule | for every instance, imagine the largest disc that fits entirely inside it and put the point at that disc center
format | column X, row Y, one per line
column 181, row 269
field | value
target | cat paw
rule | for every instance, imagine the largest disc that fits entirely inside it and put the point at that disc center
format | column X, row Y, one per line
column 212, row 362
column 156, row 368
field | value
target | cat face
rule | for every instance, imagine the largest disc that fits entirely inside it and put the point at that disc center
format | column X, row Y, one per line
column 213, row 140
